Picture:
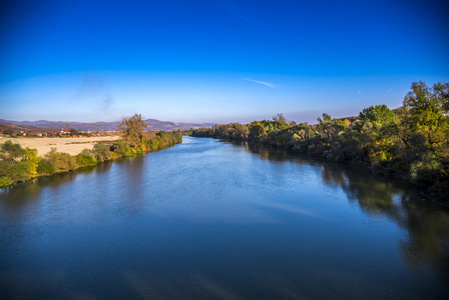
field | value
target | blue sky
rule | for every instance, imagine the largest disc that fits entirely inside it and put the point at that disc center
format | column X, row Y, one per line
column 215, row 61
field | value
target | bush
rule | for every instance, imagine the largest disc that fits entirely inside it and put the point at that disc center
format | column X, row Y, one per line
column 426, row 170
column 32, row 160
column 122, row 149
column 101, row 152
column 4, row 181
column 11, row 153
column 16, row 163
column 19, row 172
column 45, row 168
column 61, row 161
column 86, row 158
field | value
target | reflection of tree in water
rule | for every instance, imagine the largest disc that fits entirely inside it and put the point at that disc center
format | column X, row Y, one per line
column 18, row 195
column 272, row 154
column 375, row 196
column 426, row 223
column 428, row 239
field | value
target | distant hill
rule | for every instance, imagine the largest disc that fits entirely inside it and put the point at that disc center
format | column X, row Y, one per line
column 104, row 126
column 13, row 127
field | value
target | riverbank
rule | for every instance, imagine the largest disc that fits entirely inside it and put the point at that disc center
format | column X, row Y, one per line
column 434, row 188
column 72, row 146
column 18, row 164
column 410, row 142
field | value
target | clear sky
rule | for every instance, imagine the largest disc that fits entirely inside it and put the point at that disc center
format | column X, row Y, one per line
column 215, row 61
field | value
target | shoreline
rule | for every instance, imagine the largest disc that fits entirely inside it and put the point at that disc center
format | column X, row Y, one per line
column 72, row 146
column 63, row 162
column 422, row 189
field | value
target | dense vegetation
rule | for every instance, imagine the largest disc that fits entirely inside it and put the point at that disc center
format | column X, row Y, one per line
column 18, row 164
column 411, row 141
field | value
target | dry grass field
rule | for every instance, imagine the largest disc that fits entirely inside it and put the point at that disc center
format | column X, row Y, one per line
column 73, row 146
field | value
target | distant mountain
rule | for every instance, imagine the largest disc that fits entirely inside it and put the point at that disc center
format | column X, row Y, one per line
column 13, row 127
column 106, row 126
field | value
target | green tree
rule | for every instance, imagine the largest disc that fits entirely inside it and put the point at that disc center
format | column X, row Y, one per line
column 10, row 152
column 13, row 165
column 132, row 130
column 330, row 128
column 379, row 114
column 428, row 112
column 240, row 131
column 32, row 160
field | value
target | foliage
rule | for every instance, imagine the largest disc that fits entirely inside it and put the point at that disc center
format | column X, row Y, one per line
column 18, row 164
column 132, row 130
column 32, row 160
column 411, row 141
column 162, row 140
column 45, row 168
column 101, row 152
column 10, row 152
column 86, row 158
column 19, row 171
column 60, row 161
column 74, row 131
column 428, row 113
column 4, row 181
column 122, row 149
column 377, row 114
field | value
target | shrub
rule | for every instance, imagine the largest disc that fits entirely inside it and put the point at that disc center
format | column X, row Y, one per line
column 101, row 152
column 45, row 168
column 10, row 152
column 122, row 149
column 86, row 158
column 19, row 171
column 16, row 163
column 61, row 161
column 32, row 160
column 4, row 181
column 426, row 170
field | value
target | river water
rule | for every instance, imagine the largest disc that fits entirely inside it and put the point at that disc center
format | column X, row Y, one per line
column 212, row 219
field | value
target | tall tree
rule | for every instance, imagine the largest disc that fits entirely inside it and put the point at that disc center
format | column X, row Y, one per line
column 132, row 129
column 428, row 112
column 380, row 114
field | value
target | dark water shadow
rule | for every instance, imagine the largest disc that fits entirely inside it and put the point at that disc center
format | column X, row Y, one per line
column 426, row 223
column 21, row 193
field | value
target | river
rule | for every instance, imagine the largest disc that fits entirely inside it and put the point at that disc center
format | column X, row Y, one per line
column 214, row 219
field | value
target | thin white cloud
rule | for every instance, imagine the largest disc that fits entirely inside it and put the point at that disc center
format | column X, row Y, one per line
column 269, row 84
column 389, row 90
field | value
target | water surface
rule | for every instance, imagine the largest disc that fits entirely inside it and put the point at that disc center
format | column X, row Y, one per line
column 212, row 219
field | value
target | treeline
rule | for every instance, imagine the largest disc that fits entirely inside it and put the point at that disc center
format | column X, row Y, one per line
column 19, row 164
column 411, row 141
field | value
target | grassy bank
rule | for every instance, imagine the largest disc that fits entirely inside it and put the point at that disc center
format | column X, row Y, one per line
column 411, row 142
column 20, row 164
